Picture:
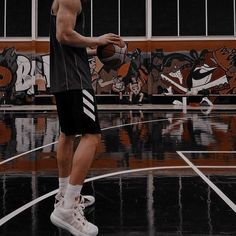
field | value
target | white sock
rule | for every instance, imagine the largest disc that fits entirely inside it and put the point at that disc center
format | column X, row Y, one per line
column 72, row 192
column 63, row 182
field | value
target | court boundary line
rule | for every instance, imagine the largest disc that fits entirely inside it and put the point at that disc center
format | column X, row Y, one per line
column 226, row 199
column 19, row 210
column 208, row 151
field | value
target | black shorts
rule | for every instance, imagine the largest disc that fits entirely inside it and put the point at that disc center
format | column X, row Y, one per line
column 77, row 112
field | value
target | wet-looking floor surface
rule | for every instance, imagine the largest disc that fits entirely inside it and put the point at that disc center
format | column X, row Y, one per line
column 156, row 173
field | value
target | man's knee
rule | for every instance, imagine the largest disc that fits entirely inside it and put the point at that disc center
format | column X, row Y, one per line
column 94, row 139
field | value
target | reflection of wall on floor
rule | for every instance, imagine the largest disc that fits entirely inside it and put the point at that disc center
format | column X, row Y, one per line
column 151, row 139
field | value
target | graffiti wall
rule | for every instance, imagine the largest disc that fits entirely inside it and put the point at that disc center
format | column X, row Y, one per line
column 23, row 75
column 211, row 72
column 195, row 71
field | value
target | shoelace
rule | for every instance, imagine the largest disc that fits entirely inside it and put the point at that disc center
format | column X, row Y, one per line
column 58, row 199
column 79, row 213
column 78, row 207
column 81, row 201
column 79, row 204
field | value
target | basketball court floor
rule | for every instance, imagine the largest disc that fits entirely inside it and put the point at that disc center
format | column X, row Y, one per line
column 158, row 172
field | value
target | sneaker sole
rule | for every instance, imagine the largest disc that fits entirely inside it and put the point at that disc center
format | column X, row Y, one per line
column 61, row 224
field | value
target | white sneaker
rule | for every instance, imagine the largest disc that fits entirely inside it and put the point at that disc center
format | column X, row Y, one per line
column 74, row 221
column 85, row 200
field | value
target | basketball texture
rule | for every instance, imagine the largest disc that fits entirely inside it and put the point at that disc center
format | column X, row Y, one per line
column 112, row 55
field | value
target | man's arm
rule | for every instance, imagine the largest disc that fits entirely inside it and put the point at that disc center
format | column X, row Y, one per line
column 66, row 19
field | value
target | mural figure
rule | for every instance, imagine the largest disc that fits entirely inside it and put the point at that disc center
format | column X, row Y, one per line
column 135, row 90
column 118, row 87
column 8, row 76
column 207, row 72
column 137, row 69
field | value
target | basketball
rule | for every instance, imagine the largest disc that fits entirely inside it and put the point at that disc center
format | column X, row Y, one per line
column 112, row 55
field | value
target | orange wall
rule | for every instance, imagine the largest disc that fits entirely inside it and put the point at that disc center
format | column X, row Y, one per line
column 145, row 46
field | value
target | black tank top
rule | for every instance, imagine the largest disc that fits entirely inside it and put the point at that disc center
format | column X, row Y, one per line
column 69, row 66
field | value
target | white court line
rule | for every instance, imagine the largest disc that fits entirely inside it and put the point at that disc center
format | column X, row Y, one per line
column 39, row 199
column 210, row 183
column 227, row 152
column 25, row 153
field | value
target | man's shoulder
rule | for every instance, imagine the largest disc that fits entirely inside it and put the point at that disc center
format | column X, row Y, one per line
column 70, row 5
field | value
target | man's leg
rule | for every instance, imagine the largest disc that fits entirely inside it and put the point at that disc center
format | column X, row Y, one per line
column 64, row 163
column 70, row 216
column 65, row 152
column 83, row 157
column 65, row 155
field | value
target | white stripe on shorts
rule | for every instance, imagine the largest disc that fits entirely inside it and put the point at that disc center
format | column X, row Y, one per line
column 88, row 105
column 88, row 95
column 89, row 113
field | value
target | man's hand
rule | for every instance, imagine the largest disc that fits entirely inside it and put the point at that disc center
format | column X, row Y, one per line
column 108, row 38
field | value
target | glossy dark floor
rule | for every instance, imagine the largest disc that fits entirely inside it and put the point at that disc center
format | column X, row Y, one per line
column 157, row 173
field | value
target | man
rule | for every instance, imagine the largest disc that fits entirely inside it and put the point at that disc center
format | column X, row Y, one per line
column 71, row 84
